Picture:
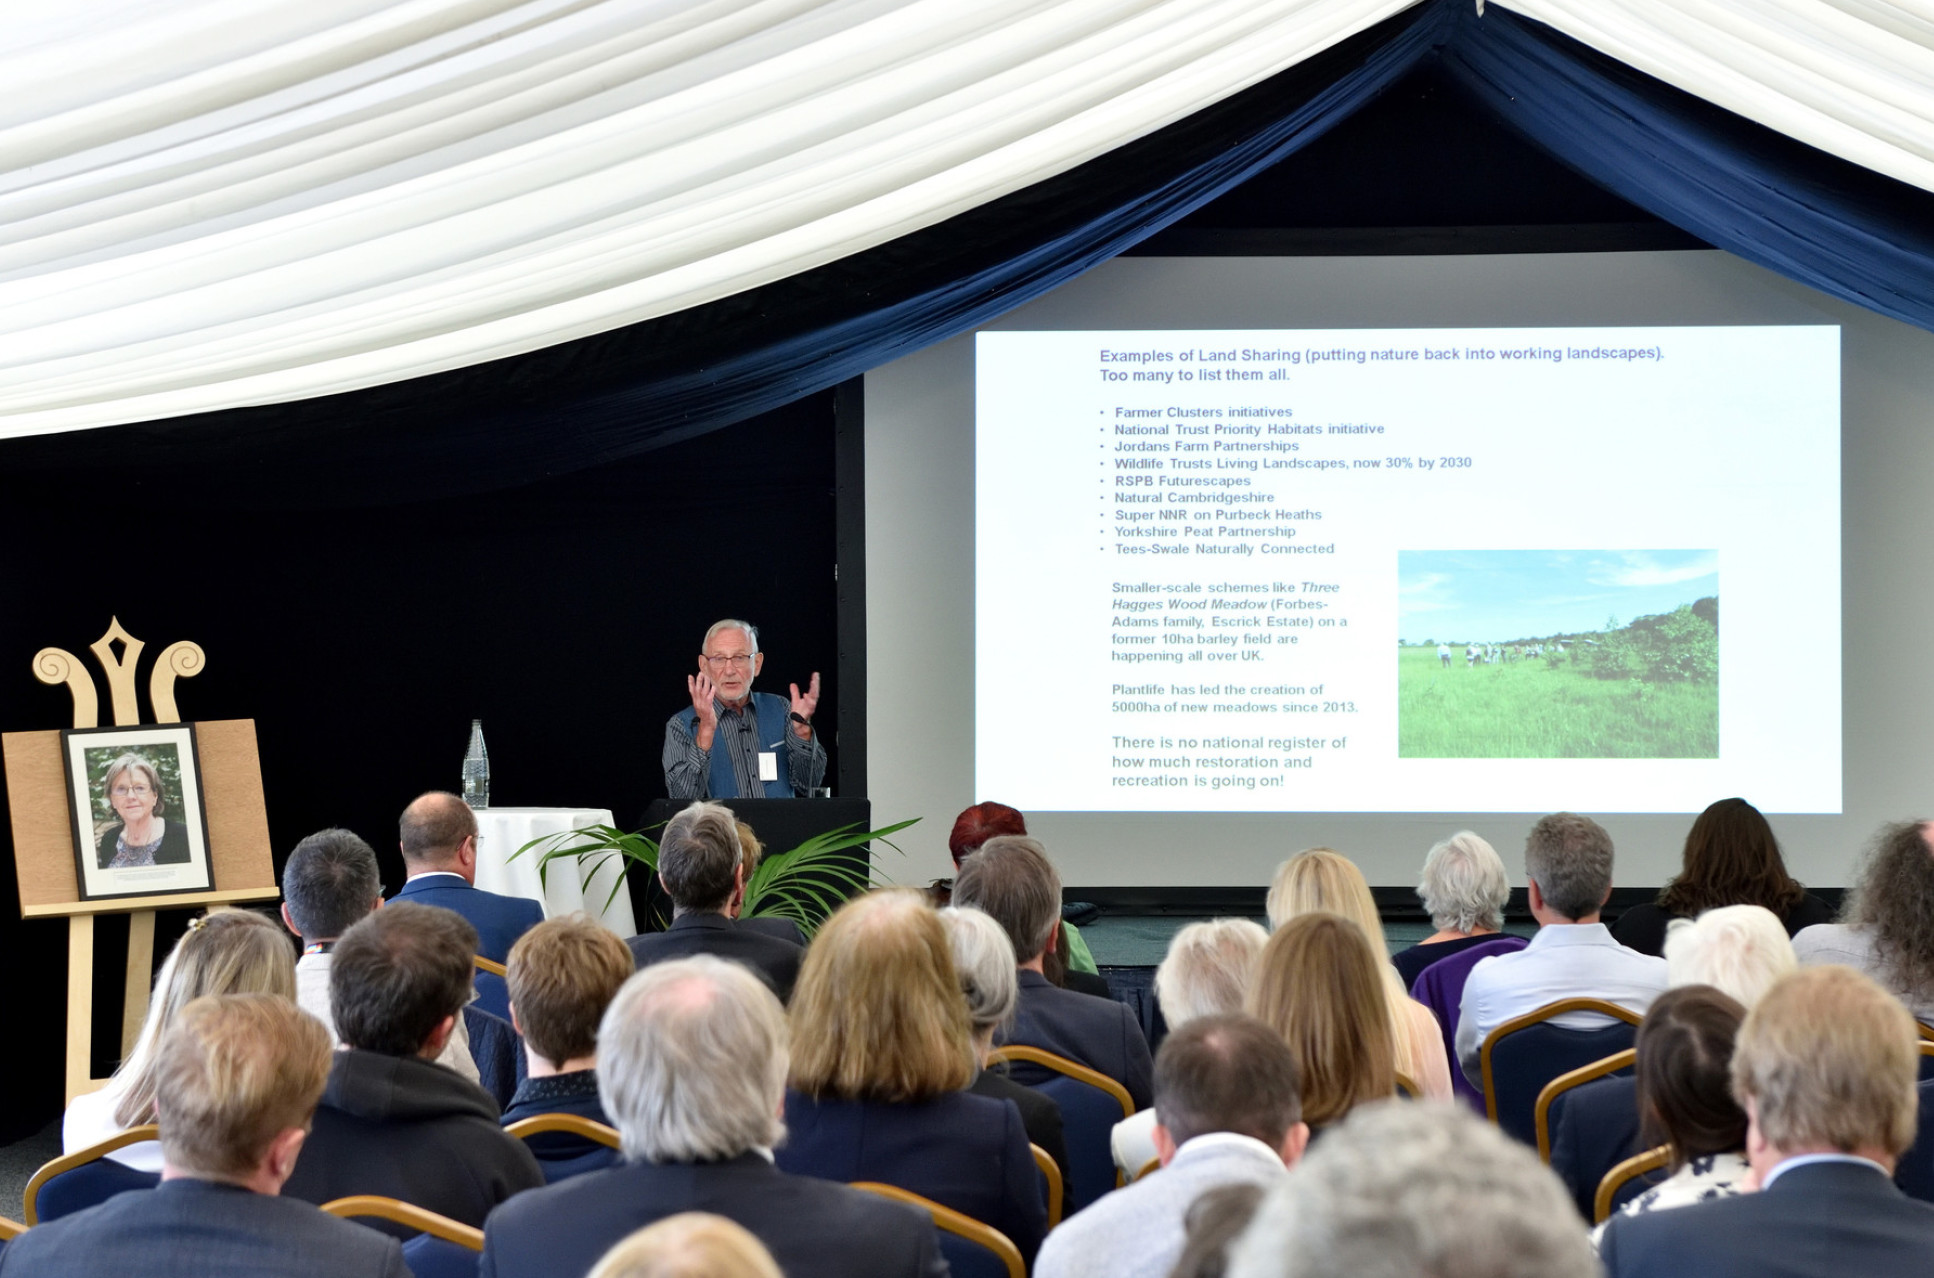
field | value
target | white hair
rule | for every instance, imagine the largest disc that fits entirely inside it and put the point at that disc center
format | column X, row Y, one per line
column 1401, row 1189
column 692, row 1060
column 1739, row 950
column 730, row 623
column 984, row 958
column 1464, row 887
column 1208, row 968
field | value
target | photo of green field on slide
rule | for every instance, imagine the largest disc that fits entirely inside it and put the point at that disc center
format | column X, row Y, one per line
column 1558, row 654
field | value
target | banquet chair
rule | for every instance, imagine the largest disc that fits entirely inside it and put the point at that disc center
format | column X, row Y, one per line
column 1927, row 1056
column 1551, row 1100
column 1051, row 1186
column 1626, row 1181
column 1520, row 1056
column 443, row 1248
column 577, row 1144
column 1407, row 1088
column 1914, row 1173
column 86, row 1177
column 972, row 1249
column 493, row 987
column 10, row 1229
column 1150, row 1167
column 498, row 1050
column 1091, row 1104
column 1440, row 987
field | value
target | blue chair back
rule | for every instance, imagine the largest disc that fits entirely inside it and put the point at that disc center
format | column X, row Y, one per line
column 428, row 1256
column 1520, row 1061
column 965, row 1258
column 1440, row 987
column 88, row 1185
column 498, row 1050
column 1915, row 1172
column 493, row 994
column 1088, row 1118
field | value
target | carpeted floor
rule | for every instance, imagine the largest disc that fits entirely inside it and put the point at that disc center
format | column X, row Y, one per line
column 20, row 1160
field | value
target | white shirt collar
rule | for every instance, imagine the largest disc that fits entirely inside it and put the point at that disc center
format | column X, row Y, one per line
column 432, row 874
column 1572, row 934
column 1803, row 1160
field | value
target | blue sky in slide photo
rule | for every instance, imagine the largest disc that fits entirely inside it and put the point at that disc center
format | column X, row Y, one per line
column 1496, row 596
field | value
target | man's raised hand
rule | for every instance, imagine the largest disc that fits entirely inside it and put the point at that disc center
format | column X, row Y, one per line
column 803, row 706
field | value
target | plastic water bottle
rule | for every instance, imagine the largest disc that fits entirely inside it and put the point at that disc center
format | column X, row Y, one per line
column 476, row 769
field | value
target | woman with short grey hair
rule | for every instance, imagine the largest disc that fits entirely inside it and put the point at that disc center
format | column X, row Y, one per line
column 984, row 960
column 1206, row 971
column 1463, row 888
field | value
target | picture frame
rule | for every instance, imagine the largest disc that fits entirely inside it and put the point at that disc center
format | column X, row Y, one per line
column 148, row 776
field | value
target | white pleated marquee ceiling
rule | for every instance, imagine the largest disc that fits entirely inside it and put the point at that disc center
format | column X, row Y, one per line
column 213, row 203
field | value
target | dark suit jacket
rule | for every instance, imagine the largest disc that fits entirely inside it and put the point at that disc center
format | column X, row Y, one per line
column 499, row 920
column 408, row 1128
column 1824, row 1220
column 1597, row 1129
column 1039, row 1114
column 813, row 1228
column 963, row 1151
column 778, row 928
column 1097, row 1032
column 198, row 1228
column 775, row 960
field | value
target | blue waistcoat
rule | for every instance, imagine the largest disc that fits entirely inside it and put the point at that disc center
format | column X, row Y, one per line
column 772, row 713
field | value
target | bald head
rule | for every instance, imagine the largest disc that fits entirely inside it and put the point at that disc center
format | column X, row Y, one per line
column 438, row 832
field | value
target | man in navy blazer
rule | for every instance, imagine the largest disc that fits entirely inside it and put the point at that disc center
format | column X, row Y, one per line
column 1597, row 1129
column 710, row 1034
column 1011, row 879
column 702, row 868
column 1825, row 1067
column 237, row 1081
column 439, row 838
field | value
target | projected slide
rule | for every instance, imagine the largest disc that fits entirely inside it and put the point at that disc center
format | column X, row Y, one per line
column 1432, row 570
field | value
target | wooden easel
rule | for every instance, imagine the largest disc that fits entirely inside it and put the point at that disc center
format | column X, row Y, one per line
column 238, row 836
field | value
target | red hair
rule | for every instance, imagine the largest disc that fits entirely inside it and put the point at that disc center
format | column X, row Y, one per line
column 980, row 823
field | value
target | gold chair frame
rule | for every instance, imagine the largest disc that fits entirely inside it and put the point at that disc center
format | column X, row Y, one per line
column 957, row 1223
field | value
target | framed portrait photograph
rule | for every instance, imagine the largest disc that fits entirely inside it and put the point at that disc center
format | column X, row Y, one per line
column 135, row 795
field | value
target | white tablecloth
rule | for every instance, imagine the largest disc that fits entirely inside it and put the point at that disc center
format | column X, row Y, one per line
column 501, row 831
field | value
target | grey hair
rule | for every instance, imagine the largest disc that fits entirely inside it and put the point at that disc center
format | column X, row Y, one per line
column 984, row 958
column 1404, row 1188
column 1463, row 887
column 692, row 1060
column 731, row 623
column 1569, row 857
column 1207, row 969
column 1739, row 950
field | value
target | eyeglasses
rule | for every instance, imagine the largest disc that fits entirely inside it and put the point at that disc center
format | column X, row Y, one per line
column 131, row 791
column 743, row 660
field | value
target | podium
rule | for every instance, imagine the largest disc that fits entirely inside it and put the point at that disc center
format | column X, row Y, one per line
column 781, row 824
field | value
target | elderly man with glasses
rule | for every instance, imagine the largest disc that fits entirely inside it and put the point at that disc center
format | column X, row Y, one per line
column 732, row 742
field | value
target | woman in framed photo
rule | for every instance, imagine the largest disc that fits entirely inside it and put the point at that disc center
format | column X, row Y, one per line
column 145, row 836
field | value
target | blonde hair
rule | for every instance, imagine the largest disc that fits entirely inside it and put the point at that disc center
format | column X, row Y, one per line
column 1207, row 969
column 1829, row 1058
column 692, row 1244
column 563, row 973
column 1318, row 986
column 878, row 1013
column 1323, row 879
column 751, row 851
column 223, row 952
column 234, row 1072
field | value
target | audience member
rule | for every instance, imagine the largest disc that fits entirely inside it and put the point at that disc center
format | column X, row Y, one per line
column 1011, row 879
column 984, row 961
column 330, row 883
column 1229, row 1112
column 702, row 867
column 1320, row 987
column 1886, row 927
column 1685, row 1100
column 1415, row 1191
column 1568, row 862
column 1329, row 882
column 439, row 839
column 236, row 1077
column 1739, row 950
column 752, row 851
column 1463, row 889
column 1211, row 1226
column 392, row 1121
column 1206, row 971
column 1731, row 858
column 223, row 952
column 563, row 974
column 692, row 1060
column 1068, row 963
column 692, row 1244
column 1825, row 1069
column 881, row 1055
